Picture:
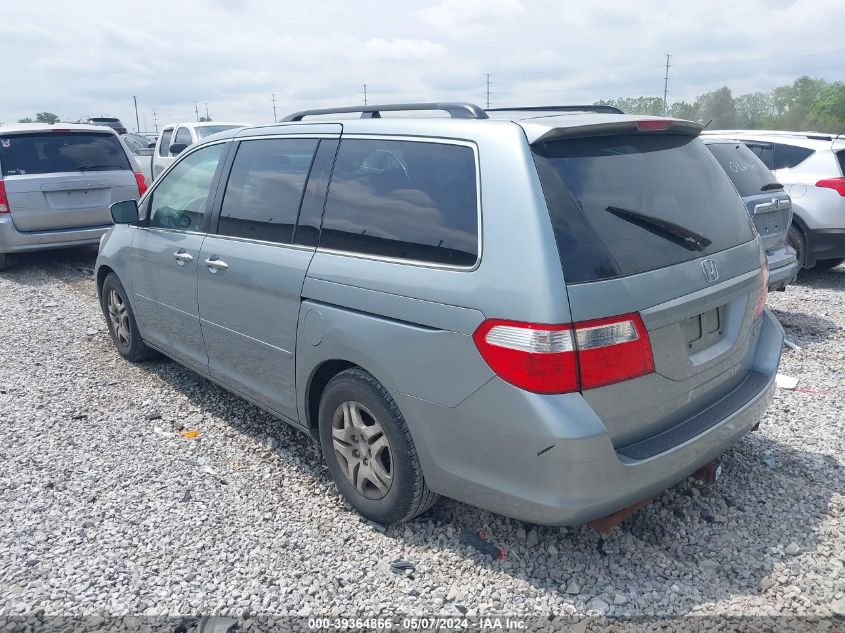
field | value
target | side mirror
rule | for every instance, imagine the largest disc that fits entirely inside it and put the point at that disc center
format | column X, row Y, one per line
column 177, row 148
column 125, row 212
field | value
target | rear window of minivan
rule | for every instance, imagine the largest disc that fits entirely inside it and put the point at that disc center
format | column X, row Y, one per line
column 747, row 172
column 623, row 205
column 51, row 152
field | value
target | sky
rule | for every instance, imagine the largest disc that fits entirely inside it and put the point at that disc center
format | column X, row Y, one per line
column 90, row 57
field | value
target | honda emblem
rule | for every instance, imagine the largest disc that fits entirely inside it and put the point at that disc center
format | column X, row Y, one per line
column 711, row 273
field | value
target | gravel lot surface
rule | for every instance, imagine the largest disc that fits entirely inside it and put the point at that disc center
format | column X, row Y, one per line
column 105, row 508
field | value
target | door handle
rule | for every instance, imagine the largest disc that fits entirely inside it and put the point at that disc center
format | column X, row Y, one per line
column 215, row 264
column 183, row 257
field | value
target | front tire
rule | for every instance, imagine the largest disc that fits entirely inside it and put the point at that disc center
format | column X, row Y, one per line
column 121, row 321
column 795, row 239
column 369, row 451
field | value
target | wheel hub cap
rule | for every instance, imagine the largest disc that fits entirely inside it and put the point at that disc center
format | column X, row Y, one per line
column 362, row 450
column 119, row 317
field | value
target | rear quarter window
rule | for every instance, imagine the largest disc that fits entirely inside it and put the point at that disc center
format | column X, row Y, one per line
column 404, row 200
column 789, row 156
column 623, row 205
column 164, row 143
column 747, row 172
column 841, row 158
column 53, row 152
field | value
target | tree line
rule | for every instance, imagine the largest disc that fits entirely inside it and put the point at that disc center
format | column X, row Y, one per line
column 808, row 104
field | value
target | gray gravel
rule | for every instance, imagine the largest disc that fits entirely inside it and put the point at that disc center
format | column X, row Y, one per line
column 105, row 508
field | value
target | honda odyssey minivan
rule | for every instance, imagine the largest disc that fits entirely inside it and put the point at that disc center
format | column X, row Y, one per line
column 551, row 315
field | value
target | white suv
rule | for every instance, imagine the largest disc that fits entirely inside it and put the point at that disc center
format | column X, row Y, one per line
column 174, row 138
column 811, row 167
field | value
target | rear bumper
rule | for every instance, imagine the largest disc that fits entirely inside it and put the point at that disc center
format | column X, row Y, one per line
column 14, row 241
column 549, row 459
column 824, row 244
column 783, row 267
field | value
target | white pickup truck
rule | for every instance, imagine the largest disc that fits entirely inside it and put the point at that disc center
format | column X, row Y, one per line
column 174, row 138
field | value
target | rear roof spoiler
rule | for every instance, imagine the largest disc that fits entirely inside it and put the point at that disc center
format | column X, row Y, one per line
column 629, row 126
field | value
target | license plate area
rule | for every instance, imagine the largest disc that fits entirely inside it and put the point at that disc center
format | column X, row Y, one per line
column 704, row 330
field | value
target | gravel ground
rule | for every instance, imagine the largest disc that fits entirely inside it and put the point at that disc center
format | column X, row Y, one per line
column 105, row 508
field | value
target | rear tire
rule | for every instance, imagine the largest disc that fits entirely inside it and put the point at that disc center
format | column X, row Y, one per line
column 369, row 451
column 827, row 264
column 795, row 239
column 121, row 321
column 4, row 262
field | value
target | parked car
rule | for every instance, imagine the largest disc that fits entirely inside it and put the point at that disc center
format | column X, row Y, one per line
column 112, row 122
column 550, row 316
column 142, row 150
column 811, row 166
column 766, row 201
column 152, row 138
column 57, row 182
column 176, row 137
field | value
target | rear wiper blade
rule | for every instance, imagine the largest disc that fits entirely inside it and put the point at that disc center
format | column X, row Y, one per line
column 770, row 186
column 94, row 167
column 682, row 236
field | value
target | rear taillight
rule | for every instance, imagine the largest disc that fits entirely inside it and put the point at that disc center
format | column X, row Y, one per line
column 654, row 125
column 142, row 183
column 612, row 350
column 837, row 184
column 764, row 289
column 4, row 199
column 565, row 358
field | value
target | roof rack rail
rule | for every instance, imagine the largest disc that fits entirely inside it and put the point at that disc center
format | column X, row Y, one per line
column 456, row 110
column 603, row 109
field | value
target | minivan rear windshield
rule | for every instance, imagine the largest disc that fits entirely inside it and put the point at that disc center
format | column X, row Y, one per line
column 50, row 152
column 622, row 205
column 747, row 172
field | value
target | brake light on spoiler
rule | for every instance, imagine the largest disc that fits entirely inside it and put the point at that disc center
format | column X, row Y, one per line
column 654, row 125
column 564, row 358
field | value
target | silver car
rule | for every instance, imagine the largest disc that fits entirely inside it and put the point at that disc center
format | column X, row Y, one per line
column 811, row 167
column 767, row 202
column 57, row 183
column 548, row 315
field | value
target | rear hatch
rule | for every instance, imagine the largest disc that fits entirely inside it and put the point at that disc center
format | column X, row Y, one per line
column 647, row 222
column 765, row 198
column 64, row 179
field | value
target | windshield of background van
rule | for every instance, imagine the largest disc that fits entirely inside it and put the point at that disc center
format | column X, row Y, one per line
column 622, row 205
column 747, row 172
column 53, row 152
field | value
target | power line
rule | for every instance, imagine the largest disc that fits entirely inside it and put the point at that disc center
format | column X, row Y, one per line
column 666, row 86
column 273, row 99
column 488, row 90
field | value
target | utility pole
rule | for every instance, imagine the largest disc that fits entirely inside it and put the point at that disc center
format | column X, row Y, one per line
column 207, row 117
column 365, row 94
column 155, row 120
column 666, row 86
column 197, row 110
column 273, row 99
column 137, row 123
column 488, row 90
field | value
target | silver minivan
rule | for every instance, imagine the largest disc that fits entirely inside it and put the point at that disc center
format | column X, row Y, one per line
column 551, row 315
column 57, row 183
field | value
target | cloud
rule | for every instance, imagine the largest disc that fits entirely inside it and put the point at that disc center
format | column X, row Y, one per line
column 233, row 55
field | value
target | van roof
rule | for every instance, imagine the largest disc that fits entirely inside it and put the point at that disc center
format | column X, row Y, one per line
column 8, row 128
column 538, row 124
